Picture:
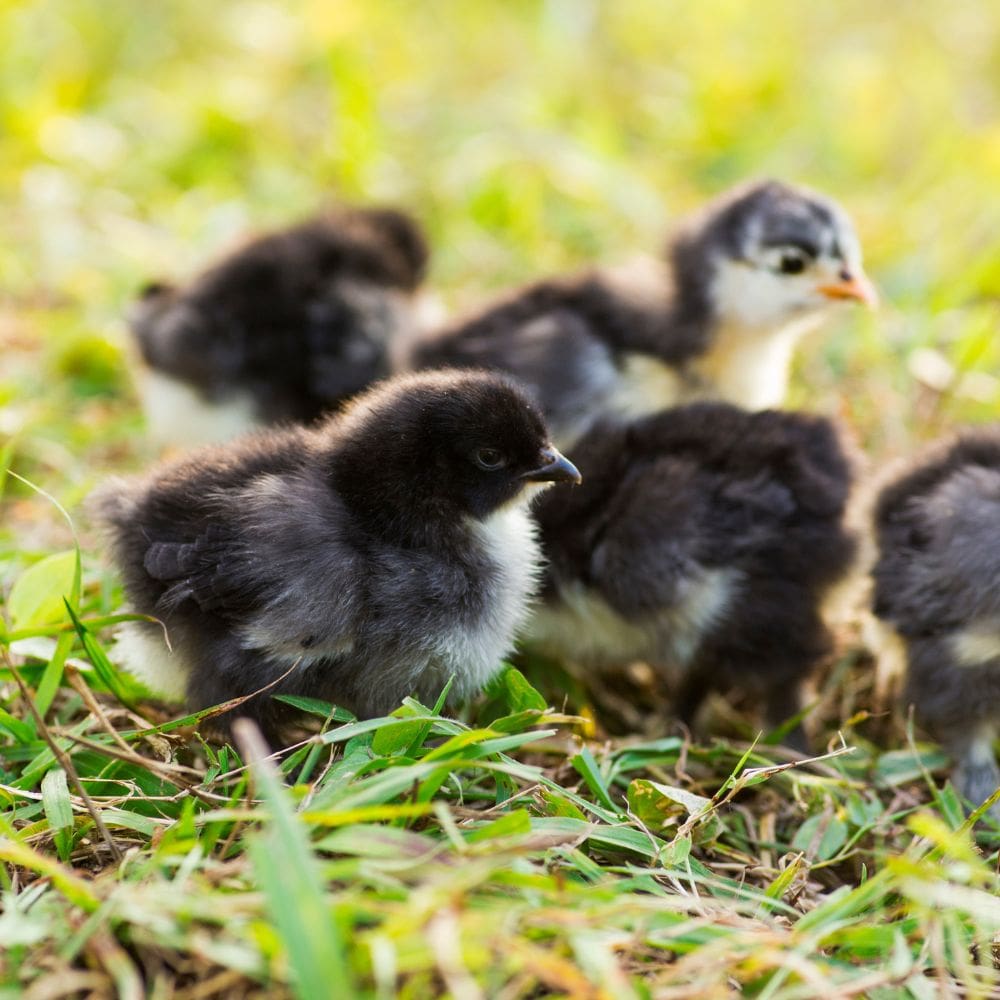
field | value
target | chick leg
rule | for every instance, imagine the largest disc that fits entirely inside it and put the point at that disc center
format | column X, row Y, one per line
column 783, row 701
column 690, row 696
column 976, row 774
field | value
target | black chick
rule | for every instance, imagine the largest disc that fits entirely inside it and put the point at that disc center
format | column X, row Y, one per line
column 284, row 329
column 374, row 555
column 718, row 318
column 702, row 542
column 937, row 582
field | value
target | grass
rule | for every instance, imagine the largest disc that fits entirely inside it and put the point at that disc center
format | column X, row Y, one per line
column 521, row 850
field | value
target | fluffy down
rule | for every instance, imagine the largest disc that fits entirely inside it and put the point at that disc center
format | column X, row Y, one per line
column 284, row 329
column 717, row 318
column 702, row 541
column 370, row 558
column 937, row 582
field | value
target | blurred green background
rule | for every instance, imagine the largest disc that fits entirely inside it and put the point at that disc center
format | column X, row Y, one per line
column 531, row 136
column 141, row 139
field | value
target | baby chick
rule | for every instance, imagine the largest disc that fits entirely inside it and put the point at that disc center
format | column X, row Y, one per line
column 284, row 329
column 718, row 318
column 369, row 558
column 702, row 542
column 937, row 582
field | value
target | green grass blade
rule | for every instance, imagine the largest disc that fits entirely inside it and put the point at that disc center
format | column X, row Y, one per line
column 292, row 882
column 104, row 668
column 58, row 810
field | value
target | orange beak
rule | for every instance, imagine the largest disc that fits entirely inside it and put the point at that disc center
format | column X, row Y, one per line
column 858, row 288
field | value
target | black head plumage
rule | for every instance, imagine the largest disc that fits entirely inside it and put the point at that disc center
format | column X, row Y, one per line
column 454, row 444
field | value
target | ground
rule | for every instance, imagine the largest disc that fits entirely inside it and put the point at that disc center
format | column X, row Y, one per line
column 586, row 850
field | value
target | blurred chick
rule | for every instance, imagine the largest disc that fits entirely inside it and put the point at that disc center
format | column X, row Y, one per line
column 937, row 582
column 284, row 329
column 718, row 318
column 702, row 542
column 373, row 556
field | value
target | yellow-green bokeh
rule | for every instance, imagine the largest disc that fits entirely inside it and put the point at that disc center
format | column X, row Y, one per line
column 529, row 137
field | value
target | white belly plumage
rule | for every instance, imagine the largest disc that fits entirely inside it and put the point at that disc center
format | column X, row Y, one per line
column 580, row 625
column 509, row 540
column 179, row 415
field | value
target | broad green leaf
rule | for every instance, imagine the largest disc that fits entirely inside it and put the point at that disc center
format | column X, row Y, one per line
column 517, row 691
column 37, row 595
column 58, row 810
column 897, row 767
column 560, row 806
column 676, row 852
column 655, row 804
column 315, row 707
column 398, row 739
column 22, row 731
column 832, row 839
column 56, row 800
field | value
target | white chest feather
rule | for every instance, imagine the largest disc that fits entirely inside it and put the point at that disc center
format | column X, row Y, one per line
column 749, row 368
column 178, row 415
column 508, row 540
column 580, row 626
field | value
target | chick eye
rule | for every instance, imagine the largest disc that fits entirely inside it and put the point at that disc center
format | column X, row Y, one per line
column 489, row 459
column 792, row 262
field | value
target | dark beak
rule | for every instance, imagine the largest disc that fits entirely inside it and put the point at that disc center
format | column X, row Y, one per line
column 556, row 469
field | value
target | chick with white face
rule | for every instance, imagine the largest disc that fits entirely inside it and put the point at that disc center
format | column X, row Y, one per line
column 770, row 263
column 767, row 302
column 716, row 319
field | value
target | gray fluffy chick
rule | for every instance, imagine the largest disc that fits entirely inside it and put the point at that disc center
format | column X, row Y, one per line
column 285, row 328
column 358, row 562
column 718, row 318
column 937, row 582
column 703, row 541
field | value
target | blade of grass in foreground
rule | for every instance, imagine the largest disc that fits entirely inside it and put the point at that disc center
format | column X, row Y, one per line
column 52, row 676
column 290, row 878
